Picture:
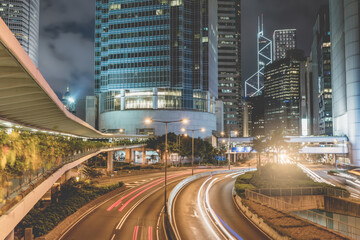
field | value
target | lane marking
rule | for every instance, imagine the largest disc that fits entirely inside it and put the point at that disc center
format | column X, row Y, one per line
column 126, row 215
column 138, row 194
column 117, row 203
column 158, row 224
column 113, row 237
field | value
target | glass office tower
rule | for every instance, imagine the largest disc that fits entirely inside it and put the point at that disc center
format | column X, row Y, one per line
column 283, row 40
column 282, row 84
column 229, row 53
column 156, row 59
column 22, row 17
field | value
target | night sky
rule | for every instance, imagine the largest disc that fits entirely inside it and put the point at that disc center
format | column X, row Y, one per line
column 66, row 51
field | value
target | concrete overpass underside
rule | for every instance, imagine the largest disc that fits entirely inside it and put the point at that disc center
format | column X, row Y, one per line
column 27, row 99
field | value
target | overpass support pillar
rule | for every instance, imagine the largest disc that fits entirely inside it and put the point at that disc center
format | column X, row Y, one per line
column 132, row 156
column 128, row 155
column 109, row 162
column 67, row 175
column 11, row 236
column 144, row 156
column 28, row 234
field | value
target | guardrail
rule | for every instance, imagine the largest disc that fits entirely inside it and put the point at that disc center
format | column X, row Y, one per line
column 322, row 220
column 279, row 192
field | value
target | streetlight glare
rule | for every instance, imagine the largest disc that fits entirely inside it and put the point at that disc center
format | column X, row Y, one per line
column 185, row 120
column 236, row 132
column 185, row 135
column 183, row 130
column 222, row 133
column 121, row 130
column 202, row 130
column 148, row 121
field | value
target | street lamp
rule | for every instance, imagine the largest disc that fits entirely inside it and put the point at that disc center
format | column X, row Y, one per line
column 179, row 142
column 121, row 130
column 192, row 146
column 223, row 134
column 149, row 121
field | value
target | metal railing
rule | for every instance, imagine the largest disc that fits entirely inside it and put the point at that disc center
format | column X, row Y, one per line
column 301, row 191
column 335, row 225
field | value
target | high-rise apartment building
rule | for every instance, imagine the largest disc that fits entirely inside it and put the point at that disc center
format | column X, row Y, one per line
column 283, row 40
column 282, row 93
column 229, row 60
column 22, row 17
column 321, row 60
column 345, row 72
column 156, row 59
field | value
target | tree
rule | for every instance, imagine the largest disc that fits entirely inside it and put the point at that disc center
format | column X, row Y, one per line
column 259, row 145
column 90, row 172
column 276, row 143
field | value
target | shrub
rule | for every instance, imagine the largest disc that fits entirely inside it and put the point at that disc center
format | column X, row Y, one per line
column 74, row 195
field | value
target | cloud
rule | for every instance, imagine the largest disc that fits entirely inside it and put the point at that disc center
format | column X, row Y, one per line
column 66, row 46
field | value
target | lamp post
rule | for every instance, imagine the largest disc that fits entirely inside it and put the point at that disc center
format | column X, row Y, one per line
column 192, row 146
column 149, row 121
column 223, row 134
column 184, row 135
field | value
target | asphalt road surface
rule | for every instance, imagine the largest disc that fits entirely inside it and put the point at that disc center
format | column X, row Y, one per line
column 204, row 209
column 132, row 214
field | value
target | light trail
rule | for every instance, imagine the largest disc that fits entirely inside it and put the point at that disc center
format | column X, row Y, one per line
column 212, row 213
column 135, row 196
column 150, row 233
column 135, row 233
column 202, row 211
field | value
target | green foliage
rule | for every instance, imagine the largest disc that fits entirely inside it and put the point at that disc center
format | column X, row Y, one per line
column 23, row 151
column 243, row 182
column 282, row 176
column 74, row 195
column 90, row 171
column 202, row 149
column 278, row 176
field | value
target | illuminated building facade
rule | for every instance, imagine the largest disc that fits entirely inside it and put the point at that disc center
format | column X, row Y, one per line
column 282, row 93
column 229, row 60
column 321, row 60
column 155, row 59
column 22, row 17
column 283, row 40
column 345, row 72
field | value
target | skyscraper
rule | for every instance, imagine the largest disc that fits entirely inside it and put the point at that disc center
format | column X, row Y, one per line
column 283, row 40
column 22, row 17
column 345, row 75
column 321, row 60
column 156, row 59
column 229, row 60
column 282, row 93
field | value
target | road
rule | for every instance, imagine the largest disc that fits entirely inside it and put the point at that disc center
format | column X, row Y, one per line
column 339, row 180
column 204, row 209
column 132, row 214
